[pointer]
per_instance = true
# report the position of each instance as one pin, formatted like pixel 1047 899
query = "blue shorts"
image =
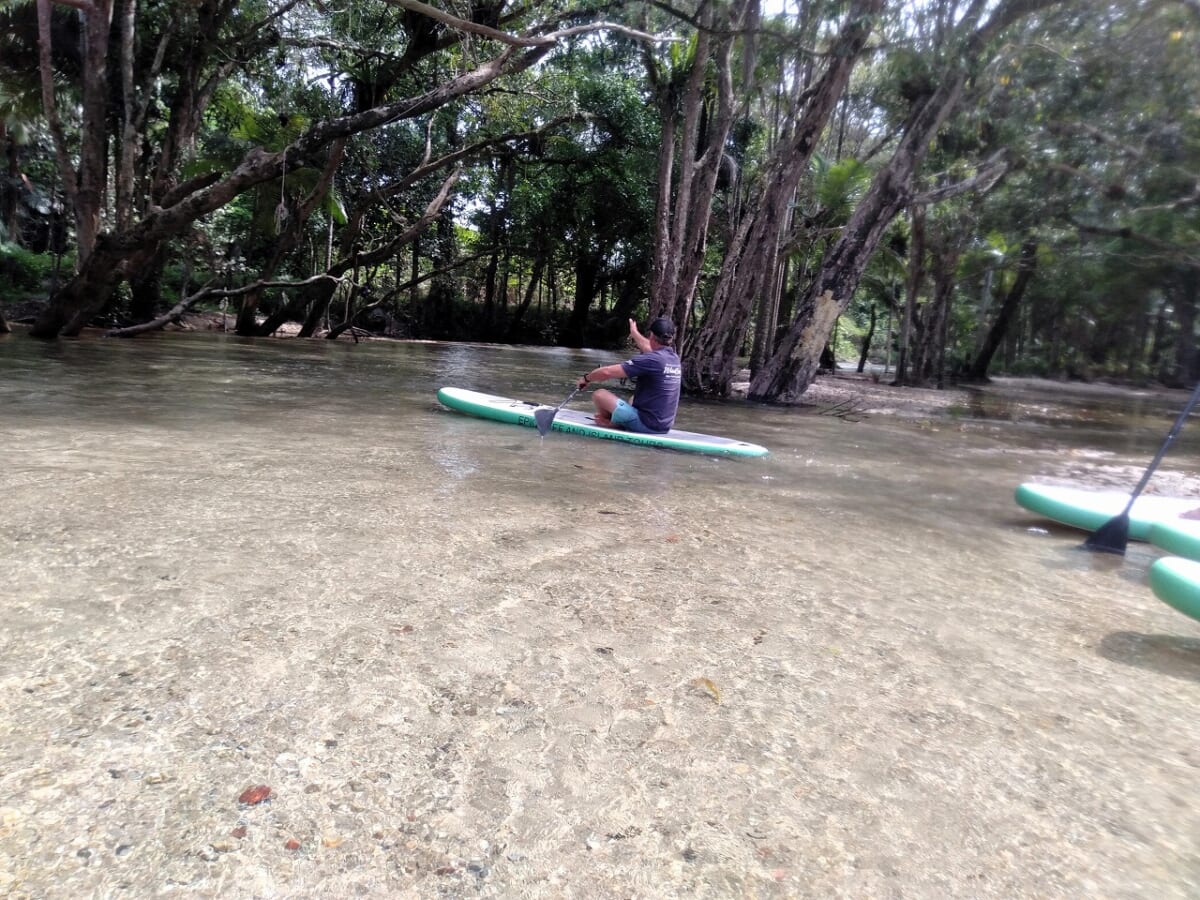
pixel 626 416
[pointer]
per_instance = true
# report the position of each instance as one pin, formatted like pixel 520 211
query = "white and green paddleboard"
pixel 1180 537
pixel 1090 509
pixel 1176 582
pixel 518 412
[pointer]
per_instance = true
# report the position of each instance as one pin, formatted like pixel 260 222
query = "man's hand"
pixel 639 339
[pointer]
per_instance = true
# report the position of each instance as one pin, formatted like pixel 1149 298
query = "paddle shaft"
pixel 1175 429
pixel 576 391
pixel 545 418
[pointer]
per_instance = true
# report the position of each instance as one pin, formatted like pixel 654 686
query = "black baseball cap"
pixel 663 329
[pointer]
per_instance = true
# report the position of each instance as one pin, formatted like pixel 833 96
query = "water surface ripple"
pixel 468 660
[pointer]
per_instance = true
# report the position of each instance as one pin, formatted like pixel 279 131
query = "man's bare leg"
pixel 605 402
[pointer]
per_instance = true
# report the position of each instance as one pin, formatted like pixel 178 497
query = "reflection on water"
pixel 448 643
pixel 1097 416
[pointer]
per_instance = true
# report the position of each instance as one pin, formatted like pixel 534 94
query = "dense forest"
pixel 952 187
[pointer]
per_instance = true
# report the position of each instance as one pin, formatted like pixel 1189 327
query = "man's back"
pixel 659 379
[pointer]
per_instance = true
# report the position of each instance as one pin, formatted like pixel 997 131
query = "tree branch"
pixel 1100 137
pixel 986 178
pixel 458 24
pixel 204 293
pixel 428 167
pixel 1192 6
pixel 1192 199
pixel 546 40
pixel 66 171
pixel 1177 251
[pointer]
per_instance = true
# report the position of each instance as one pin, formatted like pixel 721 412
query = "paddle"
pixel 545 416
pixel 1113 535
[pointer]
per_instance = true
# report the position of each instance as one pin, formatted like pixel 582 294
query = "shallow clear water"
pixel 471 660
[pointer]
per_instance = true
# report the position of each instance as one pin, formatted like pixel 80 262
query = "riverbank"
pixel 846 390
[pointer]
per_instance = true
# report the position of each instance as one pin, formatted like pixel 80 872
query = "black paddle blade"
pixel 1111 537
pixel 544 418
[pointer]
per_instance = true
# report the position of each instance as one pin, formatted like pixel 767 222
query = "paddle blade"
pixel 544 418
pixel 1111 537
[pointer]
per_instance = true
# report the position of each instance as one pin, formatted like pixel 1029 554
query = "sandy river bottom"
pixel 469 662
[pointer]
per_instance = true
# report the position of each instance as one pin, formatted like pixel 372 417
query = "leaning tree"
pixel 969 41
pixel 198 46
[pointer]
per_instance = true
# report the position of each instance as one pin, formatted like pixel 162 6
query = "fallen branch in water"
pixel 176 311
pixel 849 410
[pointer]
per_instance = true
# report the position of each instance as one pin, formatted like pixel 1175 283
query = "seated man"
pixel 658 374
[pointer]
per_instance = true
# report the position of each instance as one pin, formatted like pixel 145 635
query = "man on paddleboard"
pixel 658 374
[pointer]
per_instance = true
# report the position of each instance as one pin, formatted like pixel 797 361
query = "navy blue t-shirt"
pixel 656 397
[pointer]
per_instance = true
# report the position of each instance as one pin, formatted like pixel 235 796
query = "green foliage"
pixel 837 186
pixel 1096 108
pixel 23 272
pixel 335 208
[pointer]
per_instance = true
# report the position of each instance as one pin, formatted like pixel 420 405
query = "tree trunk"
pixel 535 279
pixel 93 148
pixel 78 301
pixel 1012 300
pixel 683 217
pixel 492 288
pixel 768 308
pixel 912 290
pixel 1186 371
pixel 794 366
pixel 633 287
pixel 287 241
pixel 440 300
pixel 288 309
pixel 9 192
pixel 587 278
pixel 1158 340
pixel 945 254
pixel 866 344
pixel 318 297
pixel 710 358
pixel 145 287
pixel 674 209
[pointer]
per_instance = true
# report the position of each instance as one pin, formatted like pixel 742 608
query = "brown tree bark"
pixel 912 290
pixel 683 206
pixel 749 269
pixel 79 300
pixel 865 351
pixel 1187 299
pixel 944 254
pixel 794 366
pixel 286 242
pixel 588 264
pixel 9 192
pixel 1026 265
